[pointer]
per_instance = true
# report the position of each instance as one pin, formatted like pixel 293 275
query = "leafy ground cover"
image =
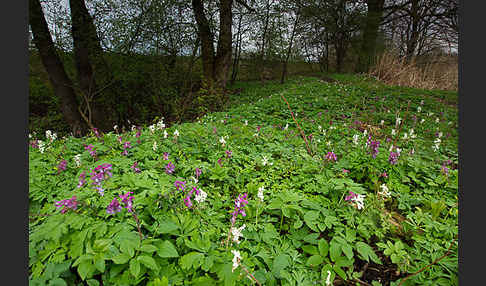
pixel 362 191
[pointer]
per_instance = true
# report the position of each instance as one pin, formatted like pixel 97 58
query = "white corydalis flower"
pixel 152 128
pixel 222 141
pixel 160 124
pixel 359 200
pixel 437 120
pixel 320 128
pixel 384 191
pixel 166 134
pixel 260 193
pixel 405 135
pixel 355 139
pixel 422 121
pixel 382 122
pixel 365 132
pixel 77 160
pixel 176 133
pixel 154 147
pixel 246 122
pixel 41 145
pixel 286 126
pixel 201 197
pixel 236 259
pixel 399 120
pixel 115 127
pixel 419 109
pixel 236 233
pixel 265 161
pixel 393 132
pixel 328 278
pixel 50 135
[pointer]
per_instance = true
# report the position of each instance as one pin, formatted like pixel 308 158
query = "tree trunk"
pixel 215 66
pixel 237 52
pixel 94 75
pixel 370 34
pixel 284 71
pixel 413 36
pixel 62 84
pixel 265 28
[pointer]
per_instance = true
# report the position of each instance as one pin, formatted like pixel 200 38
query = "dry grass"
pixel 439 72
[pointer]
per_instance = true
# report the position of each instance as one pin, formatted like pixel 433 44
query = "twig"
pixel 138 225
pixel 427 266
pixel 249 274
pixel 362 282
pixel 298 126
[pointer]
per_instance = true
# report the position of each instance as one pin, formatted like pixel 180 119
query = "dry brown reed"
pixel 433 72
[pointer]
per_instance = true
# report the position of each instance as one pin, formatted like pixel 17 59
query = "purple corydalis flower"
pixel 384 175
pixel 120 139
pixel 198 173
pixel 135 168
pixel 393 158
pixel 240 203
pixel 220 162
pixel 330 156
pixel 345 171
pixel 228 153
pixel 91 149
pixel 82 179
pixel 350 196
pixel 215 130
pixel 61 166
pixel 67 204
pixel 114 207
pixel 96 132
pixel 128 201
pixel 165 156
pixel 373 145
pixel 180 185
pixel 169 169
pixel 99 174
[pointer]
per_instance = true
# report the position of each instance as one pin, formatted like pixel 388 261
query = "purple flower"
pixel 179 185
pixel 135 168
pixel 444 169
pixel 127 200
pixel 120 139
pixel 114 207
pixel 99 174
pixel 126 146
pixel 384 175
pixel 228 153
pixel 373 146
pixel 96 132
pixel 214 130
pixel 350 196
pixel 345 171
pixel 198 173
pixel 82 179
pixel 91 149
pixel 61 166
pixel 169 169
pixel 330 156
pixel 393 158
pixel 220 162
pixel 67 204
pixel 240 203
pixel 166 156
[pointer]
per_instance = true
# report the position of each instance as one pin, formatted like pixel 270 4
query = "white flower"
pixel 77 160
pixel 399 120
pixel 134 127
pixel 382 122
pixel 30 136
pixel 165 134
pixel 50 135
pixel 194 179
pixel 286 126
pixel 176 133
pixel 201 197
pixel 236 259
pixel 320 128
pixel 365 132
pixel 419 109
pixel 359 200
pixel 328 278
pixel 412 134
pixel 405 136
pixel 450 123
pixel 332 127
pixel 355 139
pixel 437 140
pixel 430 114
pixel 384 191
pixel 236 233
pixel 115 127
pixel 422 121
pixel 246 122
pixel 154 147
pixel 398 151
pixel 222 121
pixel 435 147
pixel 439 135
pixel 42 146
pixel 393 132
pixel 255 135
pixel 265 161
pixel 328 143
pixel 437 120
pixel 152 128
pixel 160 124
pixel 260 193
pixel 412 151
pixel 391 148
pixel 222 141
pixel 422 102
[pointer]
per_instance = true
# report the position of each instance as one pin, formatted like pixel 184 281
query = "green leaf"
pixel 148 248
pixel 86 269
pixel 122 258
pixel 134 267
pixel 367 252
pixel 323 247
pixel 311 249
pixel 192 259
pixel 99 263
pixel 348 250
pixel 279 263
pixel 166 249
pixel 57 282
pixel 335 250
pixel 314 260
pixel 339 271
pixel 93 282
pixel 167 227
pixel 148 262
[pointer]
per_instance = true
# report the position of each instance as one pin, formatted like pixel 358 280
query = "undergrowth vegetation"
pixel 240 198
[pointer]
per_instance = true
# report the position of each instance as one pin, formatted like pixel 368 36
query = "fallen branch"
pixel 298 126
